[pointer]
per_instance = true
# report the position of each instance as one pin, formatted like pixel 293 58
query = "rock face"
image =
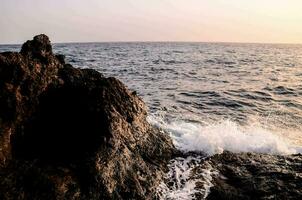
pixel 256 176
pixel 68 133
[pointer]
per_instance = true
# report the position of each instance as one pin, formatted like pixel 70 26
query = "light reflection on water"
pixel 204 82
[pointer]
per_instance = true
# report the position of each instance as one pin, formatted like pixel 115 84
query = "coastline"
pixel 70 133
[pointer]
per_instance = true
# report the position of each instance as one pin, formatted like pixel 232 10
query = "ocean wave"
pixel 225 136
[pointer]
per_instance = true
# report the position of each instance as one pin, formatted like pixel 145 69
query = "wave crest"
pixel 225 136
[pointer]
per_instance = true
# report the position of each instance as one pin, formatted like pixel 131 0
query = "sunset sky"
pixel 269 21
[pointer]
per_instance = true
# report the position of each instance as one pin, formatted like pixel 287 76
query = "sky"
pixel 260 21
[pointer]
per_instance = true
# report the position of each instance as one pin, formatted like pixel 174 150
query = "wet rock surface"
pixel 255 176
pixel 68 133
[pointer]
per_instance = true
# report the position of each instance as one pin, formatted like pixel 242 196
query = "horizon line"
pixel 162 41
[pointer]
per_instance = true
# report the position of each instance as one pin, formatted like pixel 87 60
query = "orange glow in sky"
pixel 268 21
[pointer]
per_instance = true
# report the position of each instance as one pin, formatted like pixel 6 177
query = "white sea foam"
pixel 225 135
pixel 181 182
pixel 212 139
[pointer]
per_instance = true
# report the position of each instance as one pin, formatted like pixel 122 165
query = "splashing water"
pixel 225 135
pixel 181 183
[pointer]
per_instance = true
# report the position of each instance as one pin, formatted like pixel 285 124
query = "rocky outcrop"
pixel 68 133
pixel 255 176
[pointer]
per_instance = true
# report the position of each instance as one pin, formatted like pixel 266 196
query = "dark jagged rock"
pixel 247 176
pixel 69 133
pixel 39 47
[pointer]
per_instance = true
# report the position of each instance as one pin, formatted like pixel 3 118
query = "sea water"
pixel 210 97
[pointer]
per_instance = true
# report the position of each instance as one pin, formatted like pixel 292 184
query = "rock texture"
pixel 68 133
pixel 255 176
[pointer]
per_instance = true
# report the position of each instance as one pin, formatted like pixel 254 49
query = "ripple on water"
pixel 209 93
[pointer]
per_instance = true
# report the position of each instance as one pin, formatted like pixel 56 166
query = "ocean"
pixel 210 97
